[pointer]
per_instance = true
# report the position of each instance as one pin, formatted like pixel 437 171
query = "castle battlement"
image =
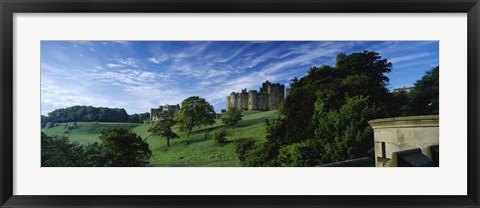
pixel 268 98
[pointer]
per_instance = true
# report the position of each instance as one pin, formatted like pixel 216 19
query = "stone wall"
pixel 268 98
pixel 403 133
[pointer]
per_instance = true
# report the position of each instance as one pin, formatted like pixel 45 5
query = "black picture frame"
pixel 9 7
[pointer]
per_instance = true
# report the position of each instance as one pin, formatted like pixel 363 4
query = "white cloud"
pixel 111 65
pixel 123 77
pixel 159 59
pixel 55 96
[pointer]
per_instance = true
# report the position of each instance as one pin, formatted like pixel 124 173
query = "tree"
pixel 346 134
pixel 303 154
pixel 232 116
pixel 163 126
pixel 425 94
pixel 195 111
pixel 122 148
pixel 61 152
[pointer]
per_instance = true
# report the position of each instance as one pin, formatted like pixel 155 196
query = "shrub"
pixel 242 146
pixel 263 155
pixel 219 136
pixel 304 154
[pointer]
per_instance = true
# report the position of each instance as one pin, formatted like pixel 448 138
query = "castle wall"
pixel 262 101
pixel 268 98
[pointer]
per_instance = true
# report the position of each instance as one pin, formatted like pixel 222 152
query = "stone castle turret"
pixel 268 98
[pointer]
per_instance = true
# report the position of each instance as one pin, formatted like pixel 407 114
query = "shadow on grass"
pixel 250 122
pixel 208 129
pixel 196 139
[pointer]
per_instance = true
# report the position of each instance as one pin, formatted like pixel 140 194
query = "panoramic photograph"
pixel 318 104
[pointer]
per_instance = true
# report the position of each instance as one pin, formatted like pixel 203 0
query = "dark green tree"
pixel 195 111
pixel 121 147
pixel 425 94
pixel 61 152
pixel 303 154
pixel 346 134
pixel 232 116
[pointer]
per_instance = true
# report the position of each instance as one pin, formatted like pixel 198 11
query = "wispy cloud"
pixel 123 43
pixel 128 61
pixel 111 65
pixel 85 43
pixel 408 57
pixel 158 59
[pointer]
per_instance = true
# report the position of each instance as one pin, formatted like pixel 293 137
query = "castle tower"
pixel 252 100
pixel 276 94
pixel 228 102
pixel 243 100
pixel 233 100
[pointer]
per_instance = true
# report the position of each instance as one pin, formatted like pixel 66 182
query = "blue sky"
pixel 139 75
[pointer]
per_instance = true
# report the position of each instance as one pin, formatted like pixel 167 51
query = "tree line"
pixel 90 113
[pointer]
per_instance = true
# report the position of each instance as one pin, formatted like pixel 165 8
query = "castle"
pixel 268 98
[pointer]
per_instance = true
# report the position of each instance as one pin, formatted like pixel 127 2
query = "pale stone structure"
pixel 403 89
pixel 153 111
pixel 268 98
pixel 397 134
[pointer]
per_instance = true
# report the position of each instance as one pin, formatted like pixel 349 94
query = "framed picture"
pixel 239 104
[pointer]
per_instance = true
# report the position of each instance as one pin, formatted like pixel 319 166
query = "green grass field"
pixel 197 151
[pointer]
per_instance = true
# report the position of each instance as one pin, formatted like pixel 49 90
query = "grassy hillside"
pixel 198 150
pixel 86 132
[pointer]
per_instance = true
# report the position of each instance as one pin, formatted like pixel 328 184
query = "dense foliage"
pixel 325 116
pixel 90 113
pixel 61 152
pixel 243 145
pixel 219 136
pixel 119 147
pixel 425 94
pixel 195 111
